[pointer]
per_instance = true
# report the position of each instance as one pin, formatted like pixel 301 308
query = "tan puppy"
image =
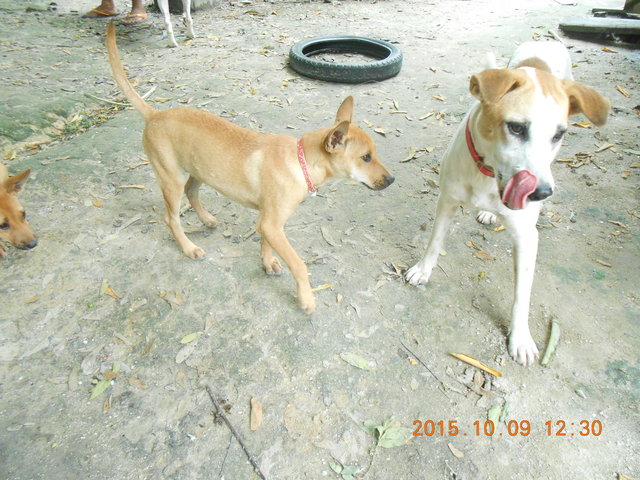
pixel 14 227
pixel 267 172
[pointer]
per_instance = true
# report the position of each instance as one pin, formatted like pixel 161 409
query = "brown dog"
pixel 267 172
pixel 14 227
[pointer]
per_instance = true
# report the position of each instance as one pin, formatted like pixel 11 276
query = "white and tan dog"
pixel 163 5
pixel 268 172
pixel 499 162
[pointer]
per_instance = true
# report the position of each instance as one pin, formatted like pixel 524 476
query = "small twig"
pixel 120 104
pixel 442 385
pixel 235 433
pixel 111 102
pixel 153 89
pixel 476 363
pixel 224 460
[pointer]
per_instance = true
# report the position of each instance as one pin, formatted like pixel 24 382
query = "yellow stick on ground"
pixel 476 363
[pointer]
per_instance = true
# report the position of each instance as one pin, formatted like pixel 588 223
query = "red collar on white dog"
pixel 475 155
pixel 303 164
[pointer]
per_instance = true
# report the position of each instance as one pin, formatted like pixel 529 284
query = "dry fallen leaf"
pixel 140 187
pixel 604 147
pixel 623 91
pixel 136 382
pixel 324 286
pixel 256 414
pixel 470 244
pixel 457 453
pixel 483 255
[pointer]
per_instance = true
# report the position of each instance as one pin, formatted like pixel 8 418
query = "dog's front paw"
pixel 522 348
pixel 486 218
pixel 3 252
pixel 417 275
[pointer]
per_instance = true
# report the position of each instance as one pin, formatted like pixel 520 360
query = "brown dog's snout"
pixel 383 182
pixel 28 245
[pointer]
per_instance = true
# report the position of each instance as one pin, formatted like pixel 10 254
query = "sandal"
pixel 133 18
pixel 96 13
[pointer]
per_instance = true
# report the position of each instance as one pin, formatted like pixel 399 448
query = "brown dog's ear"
pixel 15 183
pixel 345 112
pixel 336 138
pixel 586 100
pixel 491 85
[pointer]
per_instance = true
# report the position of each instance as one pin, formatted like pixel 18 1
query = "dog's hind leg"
pixel 172 185
pixel 421 271
pixel 186 15
pixel 192 189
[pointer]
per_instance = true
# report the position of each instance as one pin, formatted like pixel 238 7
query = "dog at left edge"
pixel 14 227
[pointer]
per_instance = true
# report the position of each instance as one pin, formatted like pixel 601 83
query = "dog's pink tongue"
pixel 521 185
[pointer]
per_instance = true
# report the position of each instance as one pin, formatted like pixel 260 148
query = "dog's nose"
pixel 29 245
pixel 540 193
pixel 388 180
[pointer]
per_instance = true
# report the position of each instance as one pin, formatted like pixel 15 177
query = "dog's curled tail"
pixel 120 76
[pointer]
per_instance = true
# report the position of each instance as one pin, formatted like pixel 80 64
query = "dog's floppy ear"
pixel 336 138
pixel 345 112
pixel 583 99
pixel 491 85
pixel 15 183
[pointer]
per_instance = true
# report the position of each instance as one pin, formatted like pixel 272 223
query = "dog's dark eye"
pixel 558 136
pixel 517 129
pixel 366 158
pixel 4 226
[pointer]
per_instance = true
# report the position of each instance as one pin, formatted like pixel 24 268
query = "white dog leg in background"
pixel 164 8
pixel 186 17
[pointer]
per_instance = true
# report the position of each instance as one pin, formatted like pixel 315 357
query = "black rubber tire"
pixel 388 63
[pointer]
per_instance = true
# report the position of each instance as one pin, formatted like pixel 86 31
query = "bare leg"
pixel 137 14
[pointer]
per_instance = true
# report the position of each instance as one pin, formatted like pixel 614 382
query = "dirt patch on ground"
pixel 108 300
